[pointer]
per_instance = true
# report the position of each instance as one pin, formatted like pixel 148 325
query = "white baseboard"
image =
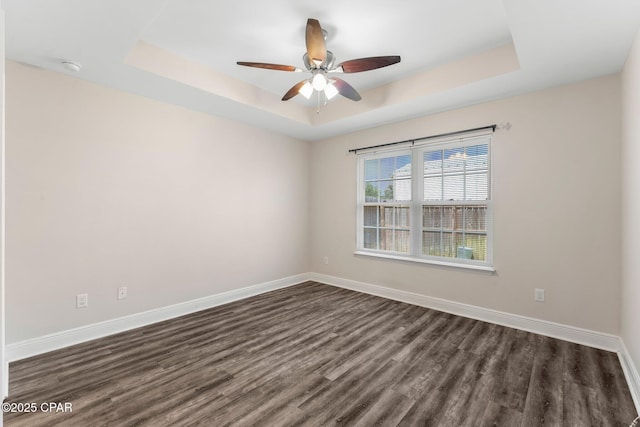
pixel 631 374
pixel 39 345
pixel 43 344
pixel 551 329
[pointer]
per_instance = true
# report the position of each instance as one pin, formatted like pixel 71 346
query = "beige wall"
pixel 108 189
pixel 631 203
pixel 556 195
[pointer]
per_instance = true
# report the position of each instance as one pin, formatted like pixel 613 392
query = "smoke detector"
pixel 71 66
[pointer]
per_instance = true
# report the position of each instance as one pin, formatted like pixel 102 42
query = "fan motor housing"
pixel 330 59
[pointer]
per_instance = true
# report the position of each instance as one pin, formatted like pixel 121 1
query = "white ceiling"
pixel 454 52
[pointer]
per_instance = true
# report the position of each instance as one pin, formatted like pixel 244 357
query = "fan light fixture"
pixel 319 83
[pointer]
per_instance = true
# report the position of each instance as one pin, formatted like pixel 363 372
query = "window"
pixel 387 198
pixel 430 203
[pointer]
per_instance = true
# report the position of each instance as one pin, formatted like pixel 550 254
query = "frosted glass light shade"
pixel 330 91
pixel 319 82
pixel 306 90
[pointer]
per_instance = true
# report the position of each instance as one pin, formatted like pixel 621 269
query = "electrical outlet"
pixel 325 260
pixel 122 292
pixel 539 295
pixel 82 300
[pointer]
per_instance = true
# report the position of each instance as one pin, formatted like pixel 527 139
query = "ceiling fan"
pixel 320 62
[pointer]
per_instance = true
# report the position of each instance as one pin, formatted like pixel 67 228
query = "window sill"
pixel 427 261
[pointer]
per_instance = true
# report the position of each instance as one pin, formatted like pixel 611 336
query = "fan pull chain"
pixel 326 101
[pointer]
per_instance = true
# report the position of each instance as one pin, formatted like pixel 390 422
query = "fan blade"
pixel 346 89
pixel 277 67
pixel 293 91
pixel 366 64
pixel 316 48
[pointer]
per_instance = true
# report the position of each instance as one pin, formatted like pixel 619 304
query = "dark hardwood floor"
pixel 314 355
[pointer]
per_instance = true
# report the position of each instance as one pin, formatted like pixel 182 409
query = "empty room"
pixel 296 213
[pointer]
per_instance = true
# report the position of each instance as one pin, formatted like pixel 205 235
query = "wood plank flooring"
pixel 313 355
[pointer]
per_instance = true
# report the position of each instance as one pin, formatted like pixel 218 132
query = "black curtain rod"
pixel 458 132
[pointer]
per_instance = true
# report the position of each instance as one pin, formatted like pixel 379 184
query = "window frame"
pixel 417 203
